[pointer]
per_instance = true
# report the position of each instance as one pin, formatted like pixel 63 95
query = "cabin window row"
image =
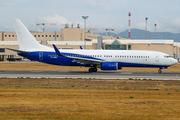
pixel 77 55
pixel 121 56
pixel 84 55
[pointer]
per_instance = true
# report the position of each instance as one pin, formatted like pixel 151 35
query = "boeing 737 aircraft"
pixel 103 59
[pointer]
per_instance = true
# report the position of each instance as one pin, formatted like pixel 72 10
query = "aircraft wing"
pixel 86 60
pixel 79 59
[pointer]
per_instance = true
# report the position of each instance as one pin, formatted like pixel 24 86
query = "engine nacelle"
pixel 109 66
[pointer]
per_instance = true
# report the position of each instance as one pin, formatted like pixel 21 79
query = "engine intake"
pixel 109 66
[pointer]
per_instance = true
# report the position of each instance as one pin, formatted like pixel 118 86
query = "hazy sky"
pixel 102 14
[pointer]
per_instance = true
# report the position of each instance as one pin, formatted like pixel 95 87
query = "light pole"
pixel 85 17
pixel 155 31
pixel 146 28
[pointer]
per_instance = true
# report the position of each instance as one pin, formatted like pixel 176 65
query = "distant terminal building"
pixel 73 38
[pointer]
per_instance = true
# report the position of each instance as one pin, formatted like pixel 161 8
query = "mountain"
pixel 108 34
pixel 140 34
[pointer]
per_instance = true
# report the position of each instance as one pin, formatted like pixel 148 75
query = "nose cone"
pixel 174 61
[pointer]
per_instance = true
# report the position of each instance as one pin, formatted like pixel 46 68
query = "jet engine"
pixel 109 66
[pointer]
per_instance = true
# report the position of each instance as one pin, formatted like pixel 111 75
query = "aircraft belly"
pixel 130 64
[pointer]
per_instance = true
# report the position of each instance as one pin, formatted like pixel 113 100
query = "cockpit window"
pixel 167 56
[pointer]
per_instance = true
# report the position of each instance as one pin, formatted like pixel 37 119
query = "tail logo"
pixel 40 55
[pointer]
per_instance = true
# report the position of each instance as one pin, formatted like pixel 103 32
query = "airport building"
pixel 73 38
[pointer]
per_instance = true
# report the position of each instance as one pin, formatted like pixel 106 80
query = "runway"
pixel 85 74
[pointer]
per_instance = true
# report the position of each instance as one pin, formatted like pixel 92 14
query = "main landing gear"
pixel 92 69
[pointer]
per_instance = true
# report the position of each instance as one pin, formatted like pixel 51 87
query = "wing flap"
pixel 86 61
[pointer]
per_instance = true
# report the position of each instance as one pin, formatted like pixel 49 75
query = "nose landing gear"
pixel 159 71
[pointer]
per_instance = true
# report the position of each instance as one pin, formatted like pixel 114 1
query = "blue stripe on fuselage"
pixel 124 64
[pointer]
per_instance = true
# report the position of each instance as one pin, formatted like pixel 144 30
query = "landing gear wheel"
pixel 159 71
pixel 90 70
pixel 94 69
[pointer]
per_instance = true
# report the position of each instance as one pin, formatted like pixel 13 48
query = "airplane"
pixel 103 59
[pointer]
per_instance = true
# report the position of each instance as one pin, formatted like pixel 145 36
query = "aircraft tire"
pixel 94 69
pixel 159 71
pixel 90 70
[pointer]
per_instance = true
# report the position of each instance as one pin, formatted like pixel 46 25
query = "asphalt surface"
pixel 96 75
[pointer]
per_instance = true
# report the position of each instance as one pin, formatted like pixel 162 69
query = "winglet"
pixel 57 51
pixel 80 47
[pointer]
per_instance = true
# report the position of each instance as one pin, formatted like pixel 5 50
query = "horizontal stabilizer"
pixel 19 51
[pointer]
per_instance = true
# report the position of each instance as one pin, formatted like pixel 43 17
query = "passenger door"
pixel 157 57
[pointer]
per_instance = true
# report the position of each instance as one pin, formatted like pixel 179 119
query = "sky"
pixel 111 14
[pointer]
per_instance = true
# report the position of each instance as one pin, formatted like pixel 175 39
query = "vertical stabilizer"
pixel 25 39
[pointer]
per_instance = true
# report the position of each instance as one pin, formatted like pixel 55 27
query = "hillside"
pixel 140 34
